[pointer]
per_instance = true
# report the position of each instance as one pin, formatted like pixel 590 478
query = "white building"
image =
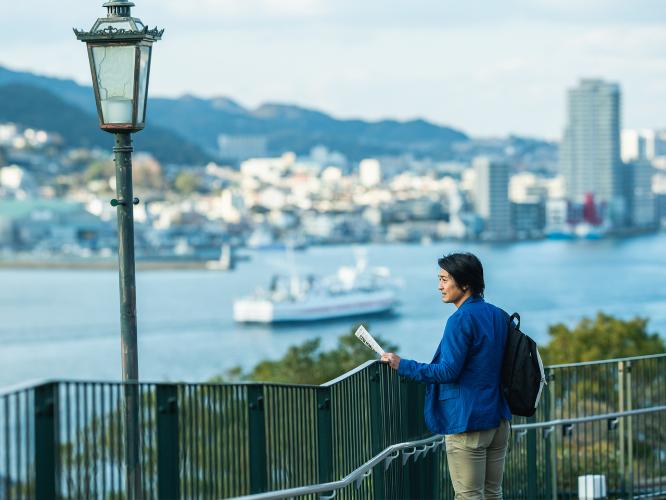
pixel 18 182
pixel 451 191
pixel 233 206
pixel 632 145
pixel 527 188
pixel 331 175
pixel 370 172
pixel 557 211
pixel 268 170
pixel 642 144
pixel 272 198
pixel 8 132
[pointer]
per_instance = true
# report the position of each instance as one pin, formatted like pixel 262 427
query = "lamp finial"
pixel 118 8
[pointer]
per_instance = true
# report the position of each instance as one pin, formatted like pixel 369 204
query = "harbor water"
pixel 65 323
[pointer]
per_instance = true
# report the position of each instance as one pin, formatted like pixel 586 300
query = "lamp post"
pixel 119 51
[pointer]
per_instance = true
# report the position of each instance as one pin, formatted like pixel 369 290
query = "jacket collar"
pixel 471 299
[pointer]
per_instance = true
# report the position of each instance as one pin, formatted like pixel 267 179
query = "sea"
pixel 64 324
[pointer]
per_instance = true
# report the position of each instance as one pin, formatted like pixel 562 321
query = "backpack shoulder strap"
pixel 515 316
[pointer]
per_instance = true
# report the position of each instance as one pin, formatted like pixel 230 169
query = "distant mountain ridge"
pixel 187 128
pixel 67 90
pixel 36 107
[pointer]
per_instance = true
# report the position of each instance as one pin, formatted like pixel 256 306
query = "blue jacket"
pixel 463 392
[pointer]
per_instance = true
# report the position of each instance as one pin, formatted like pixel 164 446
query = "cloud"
pixel 625 41
pixel 489 67
pixel 226 10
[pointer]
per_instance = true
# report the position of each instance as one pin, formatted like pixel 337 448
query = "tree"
pixel 588 390
pixel 147 172
pixel 308 364
pixel 186 183
pixel 99 170
pixel 604 337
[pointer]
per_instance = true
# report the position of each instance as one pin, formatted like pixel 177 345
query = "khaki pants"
pixel 476 462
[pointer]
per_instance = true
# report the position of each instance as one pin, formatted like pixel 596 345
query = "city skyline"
pixel 483 68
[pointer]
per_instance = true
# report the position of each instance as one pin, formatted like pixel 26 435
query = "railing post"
pixel 435 479
pixel 324 434
pixel 406 412
pixel 621 424
pixel 630 434
pixel 377 430
pixel 550 438
pixel 257 431
pixel 47 447
pixel 168 453
pixel 531 461
pixel 417 402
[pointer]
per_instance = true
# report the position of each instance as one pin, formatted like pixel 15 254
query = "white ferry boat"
pixel 353 291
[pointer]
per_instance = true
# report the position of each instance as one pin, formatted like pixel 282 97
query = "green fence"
pixel 630 452
pixel 67 439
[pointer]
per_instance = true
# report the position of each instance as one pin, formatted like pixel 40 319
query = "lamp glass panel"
pixel 144 68
pixel 119 25
pixel 114 70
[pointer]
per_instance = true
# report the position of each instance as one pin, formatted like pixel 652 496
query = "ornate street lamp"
pixel 119 50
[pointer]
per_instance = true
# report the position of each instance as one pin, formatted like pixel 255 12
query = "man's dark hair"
pixel 466 269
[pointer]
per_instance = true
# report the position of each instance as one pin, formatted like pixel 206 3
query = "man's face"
pixel 448 287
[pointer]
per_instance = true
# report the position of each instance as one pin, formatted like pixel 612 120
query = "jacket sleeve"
pixel 453 353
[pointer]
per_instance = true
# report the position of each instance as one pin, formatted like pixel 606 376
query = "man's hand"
pixel 392 359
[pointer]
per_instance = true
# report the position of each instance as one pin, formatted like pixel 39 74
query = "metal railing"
pixel 546 461
pixel 423 446
pixel 357 476
pixel 66 438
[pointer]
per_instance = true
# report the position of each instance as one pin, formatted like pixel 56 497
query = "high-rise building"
pixel 590 153
pixel 491 197
pixel 642 144
pixel 656 144
pixel 528 218
pixel 641 206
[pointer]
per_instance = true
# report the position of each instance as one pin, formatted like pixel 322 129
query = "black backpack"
pixel 523 376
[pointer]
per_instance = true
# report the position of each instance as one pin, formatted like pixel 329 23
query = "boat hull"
pixel 315 309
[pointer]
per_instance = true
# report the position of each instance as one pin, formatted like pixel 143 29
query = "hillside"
pixel 186 129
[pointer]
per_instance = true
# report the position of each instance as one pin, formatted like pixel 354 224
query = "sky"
pixel 487 67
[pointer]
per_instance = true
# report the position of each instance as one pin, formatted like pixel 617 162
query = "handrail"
pixel 32 383
pixel 361 472
pixel 37 382
pixel 25 386
pixel 348 374
pixel 356 475
pixel 592 418
pixel 606 361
